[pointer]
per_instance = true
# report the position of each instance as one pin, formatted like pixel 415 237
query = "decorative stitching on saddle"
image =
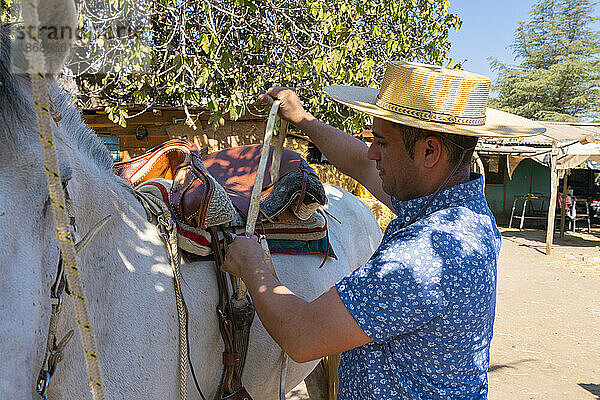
pixel 152 165
pixel 176 206
pixel 194 214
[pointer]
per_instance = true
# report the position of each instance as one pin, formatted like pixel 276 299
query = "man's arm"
pixel 305 330
pixel 347 153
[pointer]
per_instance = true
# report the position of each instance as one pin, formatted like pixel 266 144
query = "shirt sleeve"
pixel 388 297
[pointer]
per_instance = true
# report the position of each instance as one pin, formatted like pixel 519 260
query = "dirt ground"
pixel 547 333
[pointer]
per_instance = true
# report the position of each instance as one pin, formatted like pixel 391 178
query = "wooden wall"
pixel 158 126
pixel 162 125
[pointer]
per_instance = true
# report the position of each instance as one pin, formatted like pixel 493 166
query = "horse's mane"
pixel 14 105
pixel 87 141
pixel 16 109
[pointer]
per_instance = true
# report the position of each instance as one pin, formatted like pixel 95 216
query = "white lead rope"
pixel 157 210
pixel 254 209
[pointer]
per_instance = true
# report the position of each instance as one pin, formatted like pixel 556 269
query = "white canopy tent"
pixel 564 146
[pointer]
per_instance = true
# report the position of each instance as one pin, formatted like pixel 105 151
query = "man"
pixel 415 322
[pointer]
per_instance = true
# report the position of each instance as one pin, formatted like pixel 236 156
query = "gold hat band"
pixel 427 115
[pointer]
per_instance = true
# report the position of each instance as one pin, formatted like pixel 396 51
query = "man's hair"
pixel 451 142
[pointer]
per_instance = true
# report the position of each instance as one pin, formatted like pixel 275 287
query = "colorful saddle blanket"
pixel 283 235
pixel 216 192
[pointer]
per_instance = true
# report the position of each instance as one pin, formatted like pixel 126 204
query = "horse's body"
pixel 125 271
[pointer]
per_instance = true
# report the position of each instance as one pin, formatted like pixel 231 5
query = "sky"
pixel 487 30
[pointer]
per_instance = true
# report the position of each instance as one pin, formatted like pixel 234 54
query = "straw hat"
pixel 435 98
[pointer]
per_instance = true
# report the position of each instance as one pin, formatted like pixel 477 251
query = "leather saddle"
pixel 161 161
pixel 192 188
pixel 197 194
pixel 203 194
pixel 235 170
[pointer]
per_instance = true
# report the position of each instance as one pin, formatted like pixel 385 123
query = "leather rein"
pixel 54 349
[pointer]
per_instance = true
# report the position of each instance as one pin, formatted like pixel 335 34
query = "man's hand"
pixel 244 257
pixel 305 331
pixel 291 108
pixel 347 153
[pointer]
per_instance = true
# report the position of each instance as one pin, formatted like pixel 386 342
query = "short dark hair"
pixel 411 135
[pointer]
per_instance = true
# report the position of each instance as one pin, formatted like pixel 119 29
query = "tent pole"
pixel 553 196
pixel 563 206
pixel 479 165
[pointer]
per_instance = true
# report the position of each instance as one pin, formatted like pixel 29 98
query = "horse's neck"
pixel 128 247
pixel 128 286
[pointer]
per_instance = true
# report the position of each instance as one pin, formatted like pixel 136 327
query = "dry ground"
pixel 547 332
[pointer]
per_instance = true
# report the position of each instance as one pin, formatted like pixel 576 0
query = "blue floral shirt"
pixel 426 298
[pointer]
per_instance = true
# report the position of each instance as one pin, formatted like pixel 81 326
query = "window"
pixel 112 144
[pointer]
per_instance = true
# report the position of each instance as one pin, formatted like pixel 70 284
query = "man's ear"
pixel 432 151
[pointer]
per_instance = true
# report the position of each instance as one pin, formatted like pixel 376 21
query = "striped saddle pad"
pixel 285 234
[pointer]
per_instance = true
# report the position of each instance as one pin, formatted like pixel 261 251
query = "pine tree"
pixel 558 78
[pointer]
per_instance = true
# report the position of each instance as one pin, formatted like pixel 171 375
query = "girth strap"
pixel 234 325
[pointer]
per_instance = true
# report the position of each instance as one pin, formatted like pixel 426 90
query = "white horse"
pixel 125 269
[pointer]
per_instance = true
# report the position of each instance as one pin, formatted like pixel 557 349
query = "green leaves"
pixel 206 43
pixel 226 60
pixel 222 54
pixel 559 75
pixel 235 106
pixel 117 115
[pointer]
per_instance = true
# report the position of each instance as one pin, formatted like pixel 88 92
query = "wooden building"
pixel 154 126
pixel 159 124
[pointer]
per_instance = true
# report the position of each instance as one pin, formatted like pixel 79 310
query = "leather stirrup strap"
pixel 230 357
pixel 303 191
pixel 230 386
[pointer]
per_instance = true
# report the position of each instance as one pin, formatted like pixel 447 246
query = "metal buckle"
pixel 42 385
pixel 57 301
pixel 165 221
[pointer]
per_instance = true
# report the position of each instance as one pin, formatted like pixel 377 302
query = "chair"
pixel 579 211
pixel 529 212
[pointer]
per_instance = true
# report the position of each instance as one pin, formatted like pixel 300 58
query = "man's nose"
pixel 373 153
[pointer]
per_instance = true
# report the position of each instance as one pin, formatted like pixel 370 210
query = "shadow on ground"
pixel 537 237
pixel 592 388
pixel 496 367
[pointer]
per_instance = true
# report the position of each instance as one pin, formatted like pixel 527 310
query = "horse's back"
pixel 354 234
